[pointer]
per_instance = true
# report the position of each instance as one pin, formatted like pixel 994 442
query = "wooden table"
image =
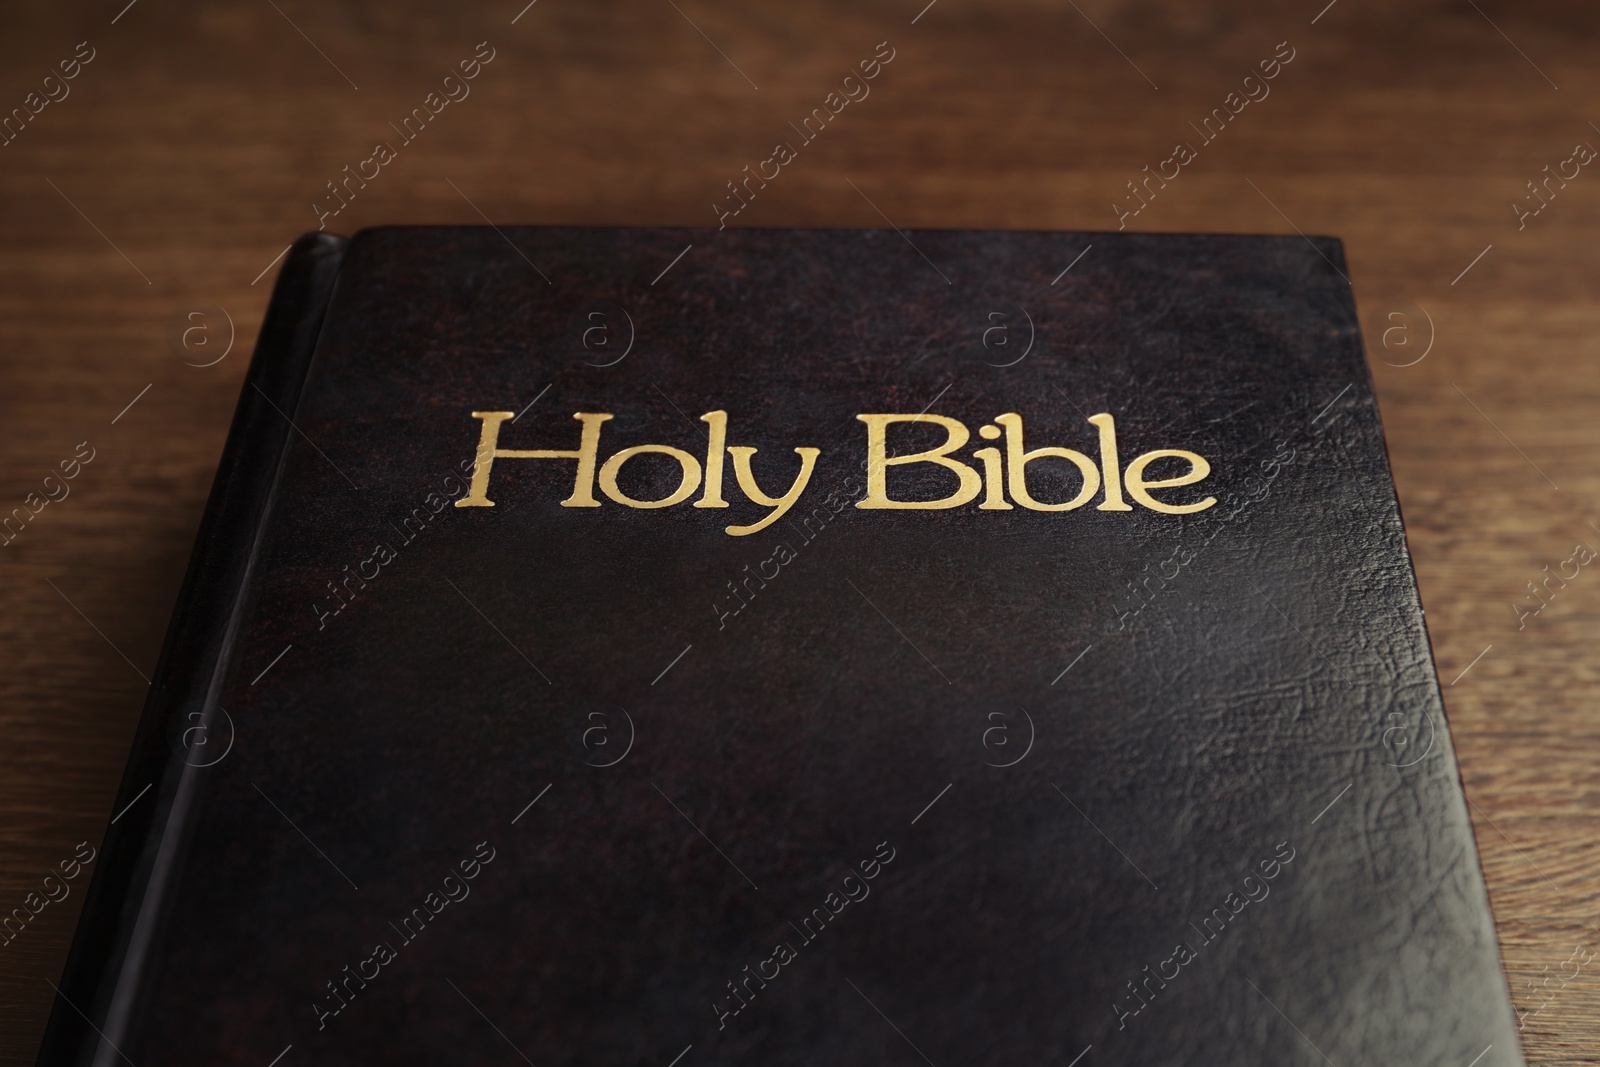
pixel 189 150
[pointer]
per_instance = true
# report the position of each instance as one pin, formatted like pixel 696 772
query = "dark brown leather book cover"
pixel 682 647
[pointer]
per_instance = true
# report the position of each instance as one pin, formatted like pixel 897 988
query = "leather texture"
pixel 952 786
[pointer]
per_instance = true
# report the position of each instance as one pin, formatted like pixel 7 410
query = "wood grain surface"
pixel 190 150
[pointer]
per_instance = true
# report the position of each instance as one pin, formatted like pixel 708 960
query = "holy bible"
pixel 683 647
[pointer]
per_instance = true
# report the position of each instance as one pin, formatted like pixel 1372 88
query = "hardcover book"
pixel 683 647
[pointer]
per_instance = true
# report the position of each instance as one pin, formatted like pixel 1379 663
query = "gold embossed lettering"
pixel 1139 488
pixel 747 482
pixel 1110 476
pixel 878 462
pixel 489 451
pixel 1017 460
pixel 716 439
pixel 686 485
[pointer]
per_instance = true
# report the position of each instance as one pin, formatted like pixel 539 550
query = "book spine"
pixel 123 909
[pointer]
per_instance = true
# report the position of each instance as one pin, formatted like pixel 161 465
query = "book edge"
pixel 1416 606
pixel 123 905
